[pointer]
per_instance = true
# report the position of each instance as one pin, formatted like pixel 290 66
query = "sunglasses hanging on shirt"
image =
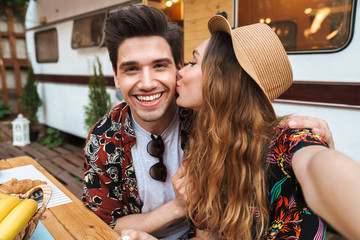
pixel 156 149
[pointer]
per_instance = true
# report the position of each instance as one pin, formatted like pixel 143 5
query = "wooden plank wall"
pixel 196 15
pixel 14 63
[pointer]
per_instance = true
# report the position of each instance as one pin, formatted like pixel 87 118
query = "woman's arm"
pixel 330 182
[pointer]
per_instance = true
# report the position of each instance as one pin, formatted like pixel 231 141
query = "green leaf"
pixel 21 3
pixel 99 99
pixel 4 110
pixel 30 99
pixel 52 139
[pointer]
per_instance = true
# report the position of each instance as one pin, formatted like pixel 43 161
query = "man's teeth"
pixel 149 98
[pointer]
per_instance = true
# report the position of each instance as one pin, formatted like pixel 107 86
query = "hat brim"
pixel 219 23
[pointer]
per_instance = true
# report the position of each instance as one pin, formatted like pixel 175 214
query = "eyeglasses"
pixel 156 149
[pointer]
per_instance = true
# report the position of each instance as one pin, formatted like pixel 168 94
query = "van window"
pixel 88 31
pixel 302 25
pixel 46 46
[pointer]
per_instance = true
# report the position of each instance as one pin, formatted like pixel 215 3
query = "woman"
pixel 245 178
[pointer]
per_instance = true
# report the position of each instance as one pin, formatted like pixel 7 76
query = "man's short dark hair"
pixel 137 21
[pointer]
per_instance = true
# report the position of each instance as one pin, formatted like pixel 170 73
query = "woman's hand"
pixel 129 234
pixel 318 126
pixel 178 183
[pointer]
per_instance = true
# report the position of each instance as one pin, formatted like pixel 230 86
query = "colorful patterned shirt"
pixel 290 217
pixel 110 185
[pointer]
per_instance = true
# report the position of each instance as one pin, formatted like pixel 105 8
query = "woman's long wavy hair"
pixel 225 167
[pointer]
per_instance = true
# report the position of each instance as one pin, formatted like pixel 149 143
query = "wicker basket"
pixel 29 229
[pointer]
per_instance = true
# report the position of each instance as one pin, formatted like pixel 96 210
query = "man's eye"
pixel 160 65
pixel 130 69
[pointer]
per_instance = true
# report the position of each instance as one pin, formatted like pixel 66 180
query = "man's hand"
pixel 318 126
pixel 129 234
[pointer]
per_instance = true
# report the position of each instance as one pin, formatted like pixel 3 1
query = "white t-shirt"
pixel 155 193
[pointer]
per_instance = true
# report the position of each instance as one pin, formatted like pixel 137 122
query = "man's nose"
pixel 147 80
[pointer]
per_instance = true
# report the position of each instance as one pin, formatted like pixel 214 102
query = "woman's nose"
pixel 179 74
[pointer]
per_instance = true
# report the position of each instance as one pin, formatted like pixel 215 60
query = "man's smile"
pixel 148 98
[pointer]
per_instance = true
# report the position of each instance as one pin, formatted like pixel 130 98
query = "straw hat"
pixel 260 53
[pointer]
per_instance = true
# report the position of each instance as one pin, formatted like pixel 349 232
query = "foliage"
pixel 19 3
pixel 52 139
pixel 4 110
pixel 100 102
pixel 30 99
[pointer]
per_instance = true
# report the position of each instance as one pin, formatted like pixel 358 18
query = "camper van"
pixel 322 39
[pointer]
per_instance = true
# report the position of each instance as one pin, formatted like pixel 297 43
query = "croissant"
pixel 19 186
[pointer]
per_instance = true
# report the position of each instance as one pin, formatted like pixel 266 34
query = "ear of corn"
pixel 7 203
pixel 17 219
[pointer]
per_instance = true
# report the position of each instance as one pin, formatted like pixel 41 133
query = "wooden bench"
pixel 5 132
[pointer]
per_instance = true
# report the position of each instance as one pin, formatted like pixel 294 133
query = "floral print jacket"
pixel 110 185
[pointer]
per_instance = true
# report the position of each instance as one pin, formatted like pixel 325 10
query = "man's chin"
pixel 150 116
pixel 161 112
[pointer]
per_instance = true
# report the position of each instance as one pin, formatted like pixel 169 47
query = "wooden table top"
pixel 70 220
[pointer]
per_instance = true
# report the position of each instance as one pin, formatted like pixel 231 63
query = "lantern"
pixel 21 131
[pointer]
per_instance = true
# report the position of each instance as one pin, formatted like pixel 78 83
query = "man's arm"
pixel 96 192
pixel 131 234
pixel 152 221
pixel 160 217
pixel 318 126
pixel 330 182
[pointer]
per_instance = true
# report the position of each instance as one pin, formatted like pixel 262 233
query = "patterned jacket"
pixel 110 185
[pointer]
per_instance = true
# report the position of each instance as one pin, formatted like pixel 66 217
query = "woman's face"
pixel 189 83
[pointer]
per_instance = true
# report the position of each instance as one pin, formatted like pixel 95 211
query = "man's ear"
pixel 180 64
pixel 115 79
pixel 116 82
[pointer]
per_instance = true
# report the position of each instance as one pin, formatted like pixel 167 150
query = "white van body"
pixel 340 66
pixel 64 104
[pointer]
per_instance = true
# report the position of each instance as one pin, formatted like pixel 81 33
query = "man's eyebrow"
pixel 128 63
pixel 168 60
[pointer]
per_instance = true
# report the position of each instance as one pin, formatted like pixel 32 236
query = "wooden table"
pixel 67 221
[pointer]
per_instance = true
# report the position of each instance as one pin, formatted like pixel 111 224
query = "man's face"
pixel 146 76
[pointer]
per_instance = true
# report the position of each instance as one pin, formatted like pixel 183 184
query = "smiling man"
pixel 131 157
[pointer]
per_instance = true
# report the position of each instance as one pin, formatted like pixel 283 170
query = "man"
pixel 145 51
pixel 134 151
